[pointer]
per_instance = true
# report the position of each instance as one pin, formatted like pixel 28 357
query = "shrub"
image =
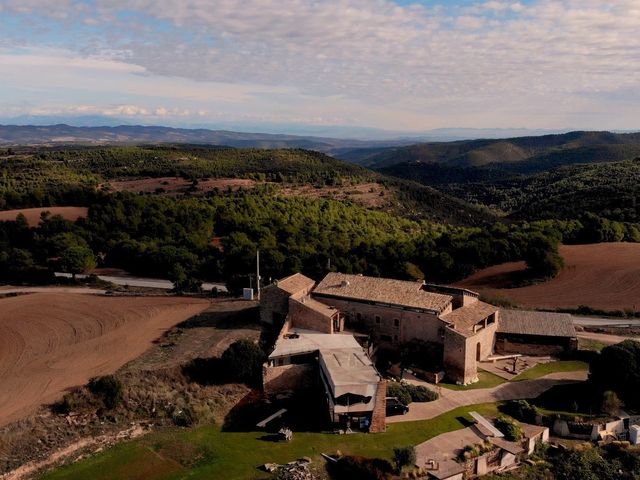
pixel 611 404
pixel 521 409
pixel 509 427
pixel 242 362
pixel 398 390
pixel 420 393
pixel 404 456
pixel 108 389
pixel 360 468
pixel 407 393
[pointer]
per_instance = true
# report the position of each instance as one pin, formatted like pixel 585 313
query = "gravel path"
pixel 451 399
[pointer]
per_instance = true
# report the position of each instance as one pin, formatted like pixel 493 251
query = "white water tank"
pixel 247 293
pixel 634 434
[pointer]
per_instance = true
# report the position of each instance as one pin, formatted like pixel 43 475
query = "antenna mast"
pixel 258 273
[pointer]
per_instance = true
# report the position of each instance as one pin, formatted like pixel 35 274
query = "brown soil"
pixel 50 342
pixel 177 185
pixel 33 214
pixel 604 276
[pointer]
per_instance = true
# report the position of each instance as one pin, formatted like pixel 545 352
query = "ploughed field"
pixel 50 342
pixel 604 276
pixel 33 214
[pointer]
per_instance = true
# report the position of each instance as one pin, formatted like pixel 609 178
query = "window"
pixel 395 338
pixel 378 319
pixel 396 322
pixel 385 338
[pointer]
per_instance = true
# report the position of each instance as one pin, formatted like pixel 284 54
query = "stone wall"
pixel 461 353
pixel 274 304
pixel 395 324
pixel 533 345
pixel 287 378
pixel 379 414
pixel 306 318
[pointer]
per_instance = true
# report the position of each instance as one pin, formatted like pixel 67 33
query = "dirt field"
pixel 50 342
pixel 604 276
pixel 176 185
pixel 33 214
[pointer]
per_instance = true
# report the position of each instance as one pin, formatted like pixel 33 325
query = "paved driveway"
pixel 450 399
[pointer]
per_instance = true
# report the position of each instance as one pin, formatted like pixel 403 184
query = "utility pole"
pixel 258 273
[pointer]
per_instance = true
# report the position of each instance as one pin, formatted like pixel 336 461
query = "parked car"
pixel 396 407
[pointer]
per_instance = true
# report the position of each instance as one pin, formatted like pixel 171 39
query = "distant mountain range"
pixel 97 129
pixel 62 134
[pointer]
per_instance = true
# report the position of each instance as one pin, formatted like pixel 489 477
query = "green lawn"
pixel 207 452
pixel 543 369
pixel 485 380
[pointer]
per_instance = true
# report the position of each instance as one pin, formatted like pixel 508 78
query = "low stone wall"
pixel 379 414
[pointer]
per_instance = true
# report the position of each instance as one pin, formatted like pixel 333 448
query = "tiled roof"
pixel 295 283
pixel 316 306
pixel 523 322
pixel 464 318
pixel 381 290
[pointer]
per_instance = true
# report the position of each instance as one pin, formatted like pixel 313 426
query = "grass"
pixel 591 345
pixel 207 452
pixel 485 380
pixel 543 369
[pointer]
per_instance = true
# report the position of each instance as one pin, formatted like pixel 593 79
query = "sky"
pixel 398 65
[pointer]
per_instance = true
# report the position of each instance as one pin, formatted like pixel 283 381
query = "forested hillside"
pixel 522 154
pixel 40 177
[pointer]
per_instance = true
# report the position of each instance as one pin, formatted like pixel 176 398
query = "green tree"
pixel 77 259
pixel 242 362
pixel 404 457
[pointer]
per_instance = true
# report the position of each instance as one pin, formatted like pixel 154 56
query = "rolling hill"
pixel 35 176
pixel 518 155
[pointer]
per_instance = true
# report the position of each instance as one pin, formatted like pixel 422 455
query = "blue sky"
pixel 401 66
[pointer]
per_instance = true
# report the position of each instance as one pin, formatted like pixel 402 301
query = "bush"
pixel 398 390
pixel 108 389
pixel 242 362
pixel 420 393
pixel 509 427
pixel 407 393
pixel 404 457
pixel 521 409
pixel 360 468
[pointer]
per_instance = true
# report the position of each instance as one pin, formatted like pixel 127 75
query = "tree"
pixel 404 457
pixel 611 404
pixel 242 362
pixel 77 259
pixel 542 257
pixel 617 369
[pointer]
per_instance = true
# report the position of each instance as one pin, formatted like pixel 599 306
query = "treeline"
pixel 166 237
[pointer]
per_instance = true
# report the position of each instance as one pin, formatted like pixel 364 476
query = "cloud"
pixel 506 59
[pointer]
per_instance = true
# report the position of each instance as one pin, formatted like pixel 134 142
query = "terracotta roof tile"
pixel 463 319
pixel 381 290
pixel 296 283
pixel 523 322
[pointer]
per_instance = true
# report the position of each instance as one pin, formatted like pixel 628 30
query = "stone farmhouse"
pixel 318 323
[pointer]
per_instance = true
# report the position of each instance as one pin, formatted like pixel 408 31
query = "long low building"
pixel 535 333
pixel 355 391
